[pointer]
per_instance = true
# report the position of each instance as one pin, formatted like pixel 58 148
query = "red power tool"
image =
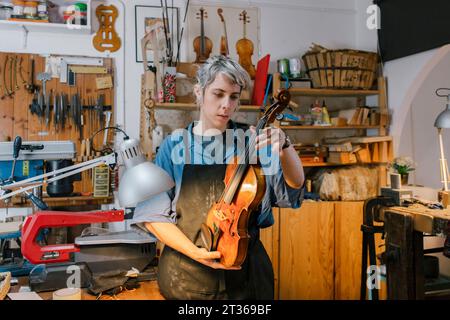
pixel 33 224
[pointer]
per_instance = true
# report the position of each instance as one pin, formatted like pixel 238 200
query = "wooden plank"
pixel 270 238
pixel 400 265
pixel 307 251
pixel 332 92
pixel 348 248
pixel 328 127
pixel 88 69
pixel 22 100
pixel 6 103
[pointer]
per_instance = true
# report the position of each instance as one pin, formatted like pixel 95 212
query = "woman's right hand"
pixel 208 259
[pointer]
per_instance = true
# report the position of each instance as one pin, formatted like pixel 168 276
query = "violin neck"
pixel 241 169
pixel 245 30
pixel 202 37
pixel 226 37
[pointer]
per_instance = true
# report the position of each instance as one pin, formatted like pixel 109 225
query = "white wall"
pixel 366 39
pixel 287 29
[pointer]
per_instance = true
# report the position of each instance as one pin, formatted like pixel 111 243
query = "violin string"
pixel 231 188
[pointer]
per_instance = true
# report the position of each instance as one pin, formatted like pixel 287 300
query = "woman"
pixel 186 270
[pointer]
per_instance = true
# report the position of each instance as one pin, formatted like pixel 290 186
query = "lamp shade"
pixel 142 179
pixel 443 119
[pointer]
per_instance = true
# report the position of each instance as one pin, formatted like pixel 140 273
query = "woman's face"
pixel 219 102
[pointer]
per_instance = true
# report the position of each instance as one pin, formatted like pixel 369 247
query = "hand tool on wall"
pixel 62 110
pixel 11 79
pixel 40 104
pixel 80 116
pixel 20 69
pixel 108 120
pixel 44 77
pixel 99 108
pixel 30 86
pixel 6 92
pixel 34 107
pixel 55 112
pixel 47 108
pixel 25 84
pixel 16 70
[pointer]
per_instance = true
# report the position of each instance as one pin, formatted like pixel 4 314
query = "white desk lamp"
pixel 141 180
pixel 443 122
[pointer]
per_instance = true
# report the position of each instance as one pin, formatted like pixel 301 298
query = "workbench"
pixel 405 228
pixel 148 290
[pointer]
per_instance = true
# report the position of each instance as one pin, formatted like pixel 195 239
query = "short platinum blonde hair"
pixel 221 64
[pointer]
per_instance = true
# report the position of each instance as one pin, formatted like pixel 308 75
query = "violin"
pixel 226 226
pixel 244 47
pixel 202 44
pixel 224 39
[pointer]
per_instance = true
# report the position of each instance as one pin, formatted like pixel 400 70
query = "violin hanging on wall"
pixel 244 47
pixel 224 39
pixel 202 44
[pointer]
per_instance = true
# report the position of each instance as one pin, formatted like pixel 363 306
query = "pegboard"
pixel 17 119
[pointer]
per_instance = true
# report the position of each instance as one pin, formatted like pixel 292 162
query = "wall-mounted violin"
pixel 244 47
pixel 224 39
pixel 202 44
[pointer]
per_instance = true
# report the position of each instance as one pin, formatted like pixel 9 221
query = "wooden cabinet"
pixel 316 250
pixel 306 252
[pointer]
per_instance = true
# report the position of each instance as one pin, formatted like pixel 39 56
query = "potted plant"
pixel 403 166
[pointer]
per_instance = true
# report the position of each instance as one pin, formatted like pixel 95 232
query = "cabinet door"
pixel 348 250
pixel 271 241
pixel 348 247
pixel 307 252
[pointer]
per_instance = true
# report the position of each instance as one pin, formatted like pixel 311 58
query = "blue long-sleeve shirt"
pixel 182 147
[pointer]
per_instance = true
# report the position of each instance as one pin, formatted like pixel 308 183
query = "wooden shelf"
pixel 194 107
pixel 44 27
pixel 332 92
pixel 330 164
pixel 327 127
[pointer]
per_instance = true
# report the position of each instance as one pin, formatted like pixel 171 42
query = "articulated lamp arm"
pixel 24 185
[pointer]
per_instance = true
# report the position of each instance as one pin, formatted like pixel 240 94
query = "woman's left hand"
pixel 270 136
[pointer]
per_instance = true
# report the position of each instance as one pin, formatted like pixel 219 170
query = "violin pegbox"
pixel 202 13
pixel 244 17
pixel 282 100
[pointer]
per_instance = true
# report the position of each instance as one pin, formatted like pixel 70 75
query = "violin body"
pixel 244 48
pixel 227 224
pixel 202 55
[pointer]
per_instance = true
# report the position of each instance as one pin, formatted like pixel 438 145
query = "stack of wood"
pixel 365 116
pixel 347 184
pixel 377 149
pixel 310 153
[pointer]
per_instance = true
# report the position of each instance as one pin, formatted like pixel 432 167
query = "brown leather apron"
pixel 180 277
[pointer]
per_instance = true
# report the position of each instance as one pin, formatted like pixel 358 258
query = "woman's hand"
pixel 208 259
pixel 270 136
